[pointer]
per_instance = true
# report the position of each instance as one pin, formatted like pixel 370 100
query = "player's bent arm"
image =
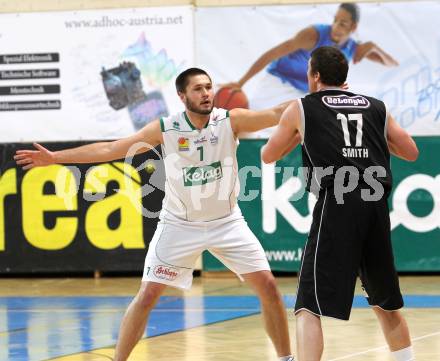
pixel 304 39
pixel 286 136
pixel 374 53
pixel 379 55
pixel 292 145
pixel 142 141
pixel 244 120
pixel 400 142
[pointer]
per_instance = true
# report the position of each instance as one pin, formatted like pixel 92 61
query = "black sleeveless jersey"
pixel 342 129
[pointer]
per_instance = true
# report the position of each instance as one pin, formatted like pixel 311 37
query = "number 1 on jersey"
pixel 344 123
pixel 200 149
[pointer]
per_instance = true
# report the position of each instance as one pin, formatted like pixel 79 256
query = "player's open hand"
pixel 34 158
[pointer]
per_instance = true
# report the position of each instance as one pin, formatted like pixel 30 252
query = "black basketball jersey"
pixel 344 129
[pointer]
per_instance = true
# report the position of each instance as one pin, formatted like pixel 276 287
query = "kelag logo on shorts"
pixel 345 101
pixel 193 176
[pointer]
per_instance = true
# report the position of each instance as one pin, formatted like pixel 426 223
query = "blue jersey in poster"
pixel 292 68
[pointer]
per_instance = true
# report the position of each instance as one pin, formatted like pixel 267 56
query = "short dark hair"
pixel 182 79
pixel 353 9
pixel 331 64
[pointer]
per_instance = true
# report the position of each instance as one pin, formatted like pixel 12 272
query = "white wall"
pixel 8 6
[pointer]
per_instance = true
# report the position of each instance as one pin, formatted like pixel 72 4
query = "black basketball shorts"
pixel 345 241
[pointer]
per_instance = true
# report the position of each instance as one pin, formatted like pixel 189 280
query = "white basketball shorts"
pixel 177 244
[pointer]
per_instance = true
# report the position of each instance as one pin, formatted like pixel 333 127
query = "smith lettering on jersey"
pixel 344 129
pixel 355 152
pixel 201 167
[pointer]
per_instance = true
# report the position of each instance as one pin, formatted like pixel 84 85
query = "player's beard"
pixel 195 109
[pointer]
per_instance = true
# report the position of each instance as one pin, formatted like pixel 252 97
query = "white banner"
pixel 90 74
pixel 230 40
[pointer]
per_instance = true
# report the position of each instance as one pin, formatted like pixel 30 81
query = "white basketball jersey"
pixel 200 166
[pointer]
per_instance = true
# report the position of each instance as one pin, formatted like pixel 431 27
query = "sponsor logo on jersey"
pixel 200 140
pixel 176 125
pixel 213 140
pixel 193 176
pixel 345 101
pixel 165 272
pixel 183 144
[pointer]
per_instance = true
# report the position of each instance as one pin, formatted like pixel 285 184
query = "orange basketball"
pixel 229 98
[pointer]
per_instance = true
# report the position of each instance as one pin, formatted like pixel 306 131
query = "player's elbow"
pixel 410 154
pixel 404 147
pixel 112 150
pixel 413 154
pixel 267 156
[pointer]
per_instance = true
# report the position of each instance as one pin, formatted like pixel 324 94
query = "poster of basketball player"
pixel 392 46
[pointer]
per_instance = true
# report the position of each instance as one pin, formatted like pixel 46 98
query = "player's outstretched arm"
pixel 244 120
pixel 286 136
pixel 149 136
pixel 400 142
pixel 304 39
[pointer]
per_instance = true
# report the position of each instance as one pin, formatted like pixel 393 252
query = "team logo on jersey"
pixel 193 176
pixel 213 140
pixel 345 101
pixel 165 272
pixel 183 144
pixel 200 140
pixel 176 125
pixel 216 119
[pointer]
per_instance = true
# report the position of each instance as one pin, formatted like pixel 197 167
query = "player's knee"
pixel 270 292
pixel 147 297
pixel 388 316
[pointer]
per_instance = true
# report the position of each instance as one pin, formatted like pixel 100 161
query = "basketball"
pixel 230 98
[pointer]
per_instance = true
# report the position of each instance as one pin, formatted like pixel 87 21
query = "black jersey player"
pixel 347 139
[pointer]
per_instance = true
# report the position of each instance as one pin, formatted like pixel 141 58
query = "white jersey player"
pixel 201 167
pixel 200 210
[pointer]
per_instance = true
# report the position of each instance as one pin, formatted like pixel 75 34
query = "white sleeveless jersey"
pixel 200 166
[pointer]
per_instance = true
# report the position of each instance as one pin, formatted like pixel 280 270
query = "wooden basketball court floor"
pixel 78 319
